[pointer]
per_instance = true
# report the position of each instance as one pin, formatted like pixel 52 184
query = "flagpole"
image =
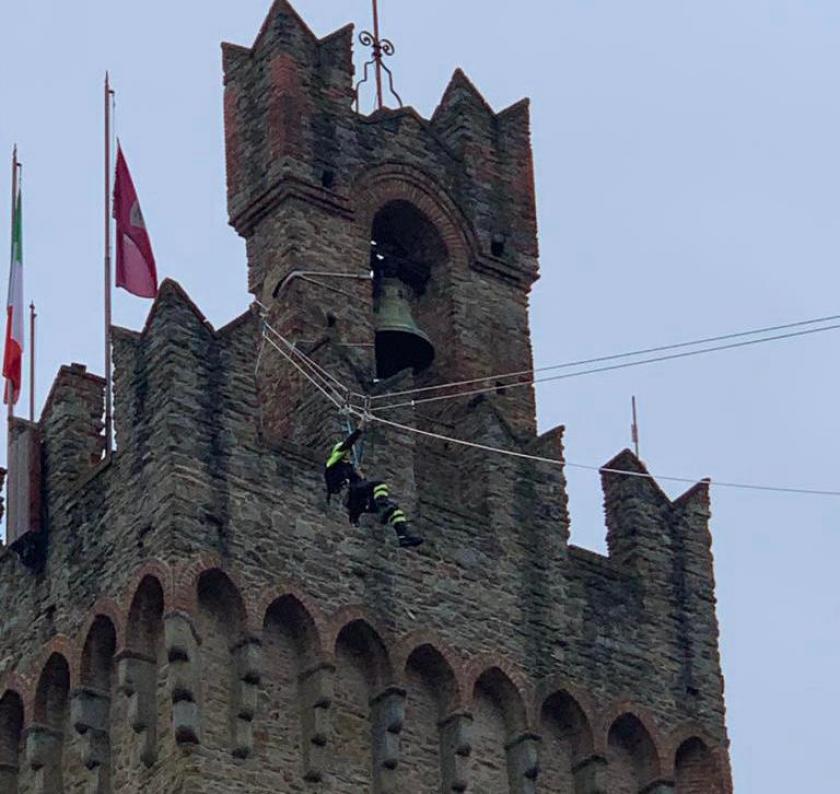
pixel 15 166
pixel 10 392
pixel 108 428
pixel 32 317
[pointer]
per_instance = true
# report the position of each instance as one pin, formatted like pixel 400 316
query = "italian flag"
pixel 13 352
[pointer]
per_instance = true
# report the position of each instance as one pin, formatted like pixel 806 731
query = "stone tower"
pixel 189 615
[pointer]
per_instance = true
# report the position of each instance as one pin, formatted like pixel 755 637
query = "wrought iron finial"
pixel 380 47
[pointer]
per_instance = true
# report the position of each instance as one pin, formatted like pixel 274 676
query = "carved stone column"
pixel 137 680
pixel 591 775
pixel 90 714
pixel 182 641
pixel 43 754
pixel 387 711
pixel 317 688
pixel 523 763
pixel 247 657
pixel 455 751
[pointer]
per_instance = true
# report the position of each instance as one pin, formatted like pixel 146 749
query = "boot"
pixel 405 536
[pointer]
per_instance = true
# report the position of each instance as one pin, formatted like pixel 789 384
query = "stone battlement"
pixel 229 541
pixel 205 621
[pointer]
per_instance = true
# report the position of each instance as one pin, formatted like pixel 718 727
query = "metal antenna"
pixel 380 47
pixel 634 428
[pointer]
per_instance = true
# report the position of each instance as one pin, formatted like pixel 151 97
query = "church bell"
pixel 399 342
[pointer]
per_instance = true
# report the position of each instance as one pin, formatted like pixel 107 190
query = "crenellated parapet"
pixel 254 511
pixel 202 619
pixel 199 563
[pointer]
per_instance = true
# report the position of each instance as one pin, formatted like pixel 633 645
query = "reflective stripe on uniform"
pixel 336 455
pixel 380 490
pixel 397 517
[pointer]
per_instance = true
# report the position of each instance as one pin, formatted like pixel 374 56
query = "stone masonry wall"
pixel 325 656
pixel 206 622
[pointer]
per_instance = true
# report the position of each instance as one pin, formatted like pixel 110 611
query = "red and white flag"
pixel 13 352
pixel 136 271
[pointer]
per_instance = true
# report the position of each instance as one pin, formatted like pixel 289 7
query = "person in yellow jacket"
pixel 364 496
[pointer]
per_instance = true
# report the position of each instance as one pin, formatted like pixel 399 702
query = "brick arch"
pixel 606 719
pixel 356 620
pixel 512 693
pixel 240 608
pixel 585 700
pixel 683 732
pixel 12 726
pixel 581 700
pixel 185 581
pixel 314 629
pixel 623 717
pixel 186 587
pixel 416 640
pixel 15 684
pixel 144 628
pixel 351 614
pixel 97 650
pixel 55 659
pixel 63 646
pixel 274 593
pixel 12 681
pixel 485 664
pixel 108 608
pixel 424 641
pixel 684 735
pixel 157 569
pixel 387 182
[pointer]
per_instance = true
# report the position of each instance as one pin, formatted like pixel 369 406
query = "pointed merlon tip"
pixel 459 82
pixel 170 287
pixel 459 79
pixel 347 30
pixel 283 7
pixel 626 460
pixel 699 492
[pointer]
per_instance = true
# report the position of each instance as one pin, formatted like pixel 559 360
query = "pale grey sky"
pixel 689 184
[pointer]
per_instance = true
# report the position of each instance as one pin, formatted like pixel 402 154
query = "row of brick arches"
pixel 272 705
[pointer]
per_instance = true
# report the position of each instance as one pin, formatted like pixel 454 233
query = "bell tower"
pixel 396 251
pixel 204 621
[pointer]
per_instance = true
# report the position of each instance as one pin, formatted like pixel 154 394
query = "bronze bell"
pixel 399 342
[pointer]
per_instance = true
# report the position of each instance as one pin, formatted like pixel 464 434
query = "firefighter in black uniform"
pixel 364 496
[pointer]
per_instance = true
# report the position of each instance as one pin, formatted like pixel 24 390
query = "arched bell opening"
pixel 409 291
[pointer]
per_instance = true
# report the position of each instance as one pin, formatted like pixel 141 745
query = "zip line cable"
pixel 327 376
pixel 366 415
pixel 616 356
pixel 331 397
pixel 308 368
pixel 324 374
pixel 610 368
pixel 602 469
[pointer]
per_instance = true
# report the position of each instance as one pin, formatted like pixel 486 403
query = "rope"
pixel 327 376
pixel 348 409
pixel 602 469
pixel 330 396
pixel 616 356
pixel 295 351
pixel 610 368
